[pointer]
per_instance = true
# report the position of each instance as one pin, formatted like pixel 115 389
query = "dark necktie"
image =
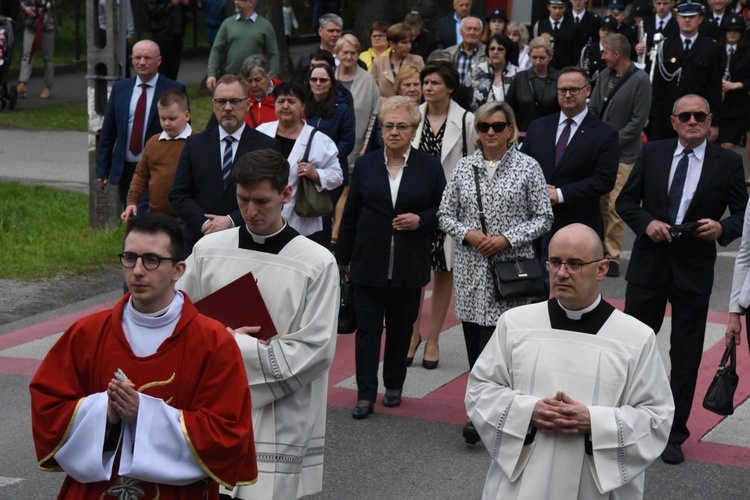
pixel 678 185
pixel 578 19
pixel 226 163
pixel 562 142
pixel 139 121
pixel 557 25
pixel 687 45
pixel 661 26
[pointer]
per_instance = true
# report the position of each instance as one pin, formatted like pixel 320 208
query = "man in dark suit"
pixel 563 34
pixel 577 152
pixel 716 20
pixel 674 182
pixel 586 25
pixel 118 152
pixel 447 29
pixel 689 64
pixel 202 193
pixel 662 22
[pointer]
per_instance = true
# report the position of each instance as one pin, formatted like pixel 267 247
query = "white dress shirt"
pixel 695 167
pixel 134 96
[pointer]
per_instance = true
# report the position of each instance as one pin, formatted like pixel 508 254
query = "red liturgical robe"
pixel 197 370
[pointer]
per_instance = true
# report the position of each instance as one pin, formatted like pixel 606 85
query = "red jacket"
pixel 262 111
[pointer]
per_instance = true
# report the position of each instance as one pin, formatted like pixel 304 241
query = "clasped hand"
pixel 123 401
pixel 561 414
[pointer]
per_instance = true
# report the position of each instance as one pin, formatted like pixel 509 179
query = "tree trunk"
pixel 271 10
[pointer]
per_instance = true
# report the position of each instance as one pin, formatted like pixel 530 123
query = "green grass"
pixel 68 116
pixel 45 232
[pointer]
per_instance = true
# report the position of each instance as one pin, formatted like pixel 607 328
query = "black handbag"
pixel 309 202
pixel 720 395
pixel 515 279
pixel 347 322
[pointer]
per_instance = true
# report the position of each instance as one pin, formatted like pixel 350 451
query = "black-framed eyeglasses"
pixel 223 102
pixel 150 261
pixel 485 127
pixel 684 117
pixel 401 127
pixel 572 90
pixel 320 80
pixel 573 267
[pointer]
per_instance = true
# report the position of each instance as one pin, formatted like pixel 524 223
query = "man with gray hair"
pixel 239 36
pixel 674 201
pixel 470 50
pixel 622 99
pixel 329 31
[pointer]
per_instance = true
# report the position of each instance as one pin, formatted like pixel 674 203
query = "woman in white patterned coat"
pixel 517 209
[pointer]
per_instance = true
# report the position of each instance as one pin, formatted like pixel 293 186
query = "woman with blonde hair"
pixel 515 211
pixel 518 32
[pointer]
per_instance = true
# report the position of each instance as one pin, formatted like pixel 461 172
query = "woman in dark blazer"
pixel 385 243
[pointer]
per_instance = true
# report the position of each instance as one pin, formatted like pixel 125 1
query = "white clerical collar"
pixel 182 135
pixel 577 118
pixel 159 318
pixel 261 240
pixel 698 151
pixel 576 315
pixel 237 134
pixel 252 18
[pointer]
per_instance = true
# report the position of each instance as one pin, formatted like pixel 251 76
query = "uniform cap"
pixel 690 8
pixel 498 14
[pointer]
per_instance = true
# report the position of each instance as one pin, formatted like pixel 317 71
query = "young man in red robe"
pixel 150 398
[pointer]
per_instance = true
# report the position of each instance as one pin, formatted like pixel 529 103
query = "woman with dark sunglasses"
pixel 517 211
pixel 490 78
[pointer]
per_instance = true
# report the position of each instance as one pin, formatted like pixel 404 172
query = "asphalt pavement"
pixel 414 451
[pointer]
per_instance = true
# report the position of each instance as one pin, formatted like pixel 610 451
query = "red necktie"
pixel 139 121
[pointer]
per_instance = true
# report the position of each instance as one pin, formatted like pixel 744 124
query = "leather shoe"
pixel 428 364
pixel 614 269
pixel 672 454
pixel 362 409
pixel 392 398
pixel 471 436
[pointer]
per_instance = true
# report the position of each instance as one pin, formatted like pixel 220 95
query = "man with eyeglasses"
pixel 203 193
pixel 131 119
pixel 570 396
pixel 689 63
pixel 578 155
pixel 138 411
pixel 245 34
pixel 288 373
pixel 674 201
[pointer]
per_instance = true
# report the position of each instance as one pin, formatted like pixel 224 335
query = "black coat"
pixel 564 40
pixel 445 32
pixel 198 186
pixel 736 103
pixel 526 103
pixel 586 171
pixel 586 29
pixel 689 260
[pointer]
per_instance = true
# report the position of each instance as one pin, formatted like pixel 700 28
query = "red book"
pixel 239 304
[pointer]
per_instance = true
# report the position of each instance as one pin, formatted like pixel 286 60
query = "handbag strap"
pixel 482 220
pixel 729 359
pixel 307 148
pixel 464 148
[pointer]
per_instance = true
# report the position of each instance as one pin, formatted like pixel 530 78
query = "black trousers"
pixel 476 337
pixel 689 315
pixel 400 307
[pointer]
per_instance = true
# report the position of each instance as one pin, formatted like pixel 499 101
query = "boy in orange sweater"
pixel 161 154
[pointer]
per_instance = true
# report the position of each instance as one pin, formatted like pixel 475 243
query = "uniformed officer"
pixel 687 64
pixel 561 29
pixel 586 25
pixel 591 55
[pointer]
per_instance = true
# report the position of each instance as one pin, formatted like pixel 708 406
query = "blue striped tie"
pixel 678 184
pixel 226 163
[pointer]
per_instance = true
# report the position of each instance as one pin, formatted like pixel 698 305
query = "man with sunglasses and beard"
pixel 673 201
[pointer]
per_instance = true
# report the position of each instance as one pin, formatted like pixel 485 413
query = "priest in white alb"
pixel 570 396
pixel 288 374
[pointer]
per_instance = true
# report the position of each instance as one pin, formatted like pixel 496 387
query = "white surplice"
pixel 289 376
pixel 618 373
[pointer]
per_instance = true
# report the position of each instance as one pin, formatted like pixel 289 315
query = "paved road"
pixel 411 452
